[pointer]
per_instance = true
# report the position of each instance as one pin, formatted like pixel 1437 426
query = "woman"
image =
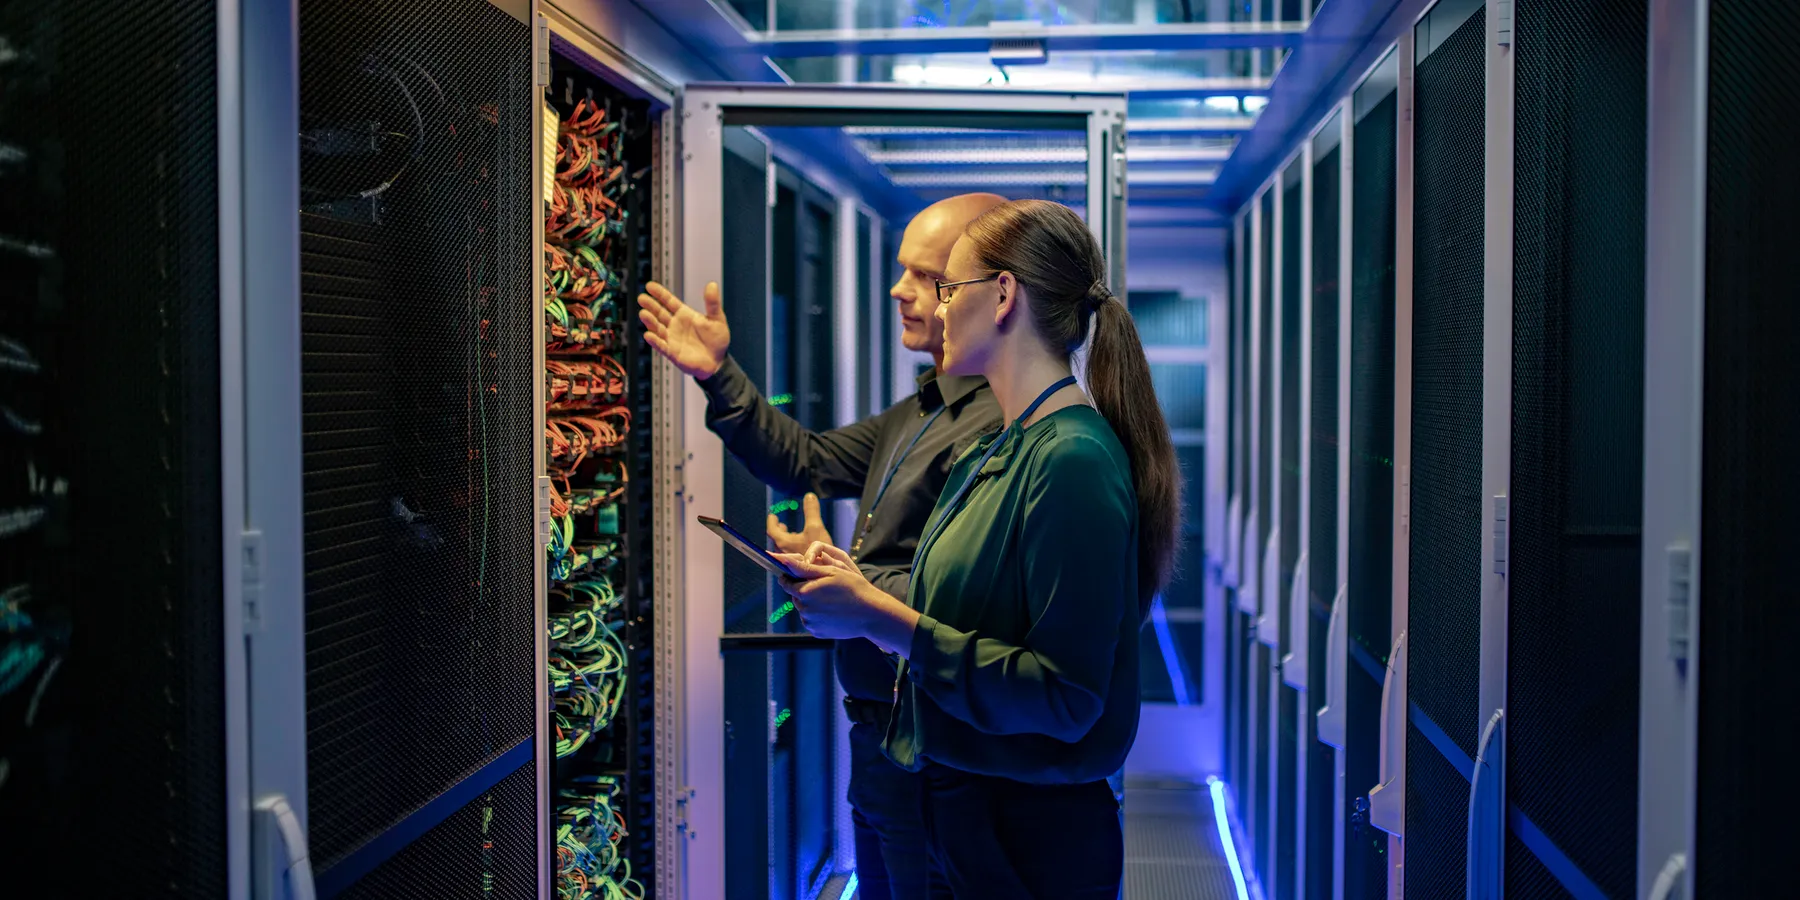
pixel 1017 687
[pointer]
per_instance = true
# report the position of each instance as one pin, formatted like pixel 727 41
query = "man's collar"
pixel 950 389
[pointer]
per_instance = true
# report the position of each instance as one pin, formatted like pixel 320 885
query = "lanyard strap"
pixel 975 470
pixel 899 456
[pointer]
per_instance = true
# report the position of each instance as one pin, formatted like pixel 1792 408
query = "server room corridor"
pixel 891 449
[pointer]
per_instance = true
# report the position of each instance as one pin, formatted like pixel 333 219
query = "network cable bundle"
pixel 596 153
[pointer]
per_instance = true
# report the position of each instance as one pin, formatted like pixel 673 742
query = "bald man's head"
pixel 924 252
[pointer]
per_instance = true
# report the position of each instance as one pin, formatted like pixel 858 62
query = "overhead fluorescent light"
pixel 1223 104
pixel 1018 53
pixel 1255 104
pixel 1025 156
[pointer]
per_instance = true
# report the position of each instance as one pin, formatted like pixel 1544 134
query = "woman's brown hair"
pixel 1050 250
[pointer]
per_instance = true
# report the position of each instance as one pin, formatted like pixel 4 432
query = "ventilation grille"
pixel 1369 577
pixel 1749 430
pixel 1260 808
pixel 418 323
pixel 1372 351
pixel 1287 783
pixel 487 849
pixel 1265 385
pixel 1322 474
pixel 1577 441
pixel 112 695
pixel 1437 810
pixel 1528 879
pixel 1292 217
pixel 1444 629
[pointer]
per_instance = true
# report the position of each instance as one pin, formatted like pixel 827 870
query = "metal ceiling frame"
pixel 1345 40
pixel 1055 38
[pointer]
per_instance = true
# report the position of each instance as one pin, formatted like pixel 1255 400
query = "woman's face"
pixel 970 332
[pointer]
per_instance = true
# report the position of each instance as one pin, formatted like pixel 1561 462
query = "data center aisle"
pixel 1173 850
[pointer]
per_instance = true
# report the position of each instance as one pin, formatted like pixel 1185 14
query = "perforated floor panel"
pixel 1172 847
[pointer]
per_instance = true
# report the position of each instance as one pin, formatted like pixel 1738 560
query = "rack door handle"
pixel 1268 619
pixel 1482 873
pixel 1387 801
pixel 1333 720
pixel 1295 664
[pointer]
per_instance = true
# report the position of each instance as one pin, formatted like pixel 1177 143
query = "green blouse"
pixel 1024 663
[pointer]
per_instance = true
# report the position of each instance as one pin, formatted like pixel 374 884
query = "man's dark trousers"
pixel 891 862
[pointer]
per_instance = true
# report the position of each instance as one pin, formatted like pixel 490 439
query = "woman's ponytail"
pixel 1054 255
pixel 1118 381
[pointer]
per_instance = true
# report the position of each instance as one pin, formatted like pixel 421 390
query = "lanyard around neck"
pixel 900 454
pixel 949 509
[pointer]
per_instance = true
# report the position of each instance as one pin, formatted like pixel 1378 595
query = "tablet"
pixel 736 540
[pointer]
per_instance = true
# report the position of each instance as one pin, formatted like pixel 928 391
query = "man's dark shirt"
pixel 851 462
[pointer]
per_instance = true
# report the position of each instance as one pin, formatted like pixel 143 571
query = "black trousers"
pixel 996 839
pixel 884 807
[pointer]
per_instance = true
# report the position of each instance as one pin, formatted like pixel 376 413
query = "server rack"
pixel 1574 548
pixel 1444 621
pixel 1238 320
pixel 1286 728
pixel 419 387
pixel 1260 537
pixel 1746 428
pixel 1675 284
pixel 1366 629
pixel 115 267
pixel 1313 605
pixel 602 139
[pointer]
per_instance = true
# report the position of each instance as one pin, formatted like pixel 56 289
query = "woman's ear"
pixel 1008 300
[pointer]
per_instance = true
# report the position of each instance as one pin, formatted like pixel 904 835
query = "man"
pixel 896 462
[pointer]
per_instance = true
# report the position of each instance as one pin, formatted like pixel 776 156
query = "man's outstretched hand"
pixel 695 342
pixel 813 531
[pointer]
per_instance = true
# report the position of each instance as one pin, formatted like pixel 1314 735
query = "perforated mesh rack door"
pixel 1260 752
pixel 418 327
pixel 1444 619
pixel 1322 513
pixel 1750 428
pixel 486 849
pixel 1287 459
pixel 1260 660
pixel 112 697
pixel 1234 488
pixel 1369 575
pixel 1265 387
pixel 1577 433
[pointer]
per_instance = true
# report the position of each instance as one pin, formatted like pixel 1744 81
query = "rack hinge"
pixel 1681 569
pixel 1503 23
pixel 540 54
pixel 1405 500
pixel 543 509
pixel 1501 512
pixel 251 541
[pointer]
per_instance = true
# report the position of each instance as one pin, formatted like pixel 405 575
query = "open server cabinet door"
pixel 742 727
pixel 420 410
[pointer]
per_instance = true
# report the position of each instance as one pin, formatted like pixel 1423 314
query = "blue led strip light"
pixel 1171 658
pixel 1226 842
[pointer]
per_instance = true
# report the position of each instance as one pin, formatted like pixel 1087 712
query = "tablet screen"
pixel 742 544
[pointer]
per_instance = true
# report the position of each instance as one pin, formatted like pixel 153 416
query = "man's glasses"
pixel 941 285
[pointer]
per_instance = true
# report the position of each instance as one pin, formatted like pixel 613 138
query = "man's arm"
pixel 892 580
pixel 781 452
